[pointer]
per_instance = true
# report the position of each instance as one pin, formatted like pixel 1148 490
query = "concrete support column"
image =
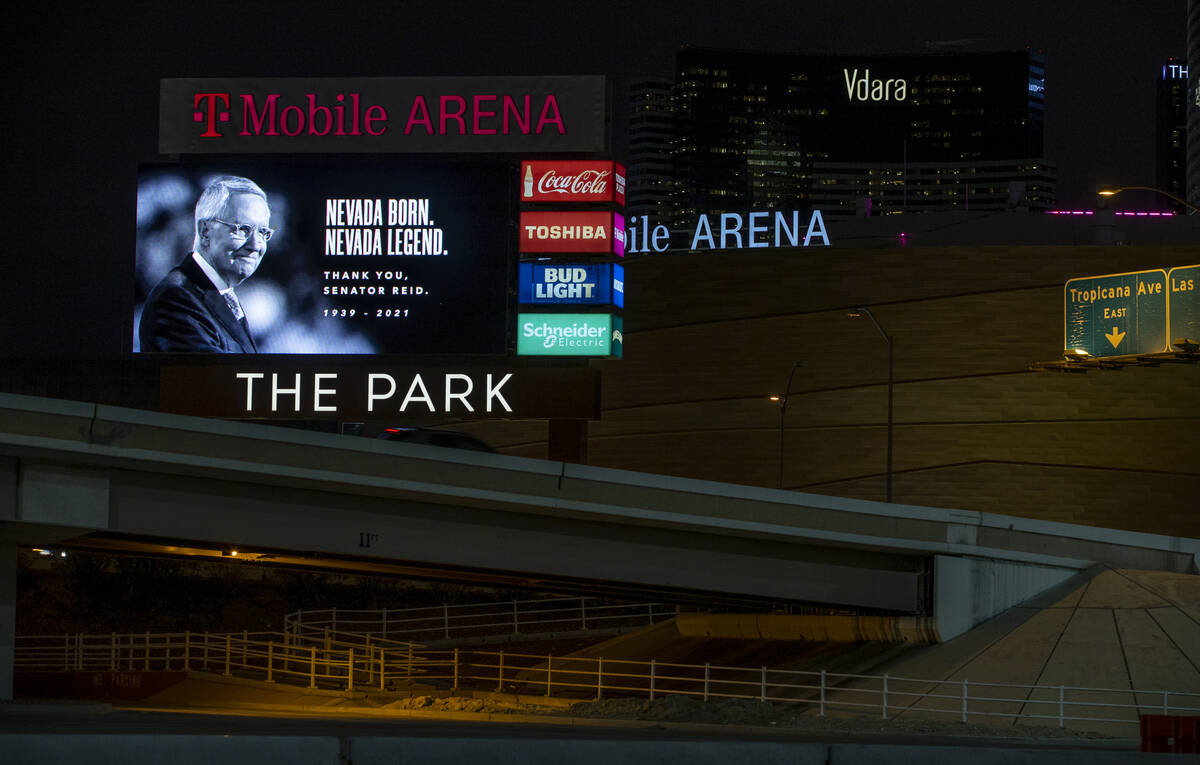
pixel 8 616
pixel 40 503
pixel 8 575
pixel 969 591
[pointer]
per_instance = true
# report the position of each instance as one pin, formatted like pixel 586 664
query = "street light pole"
pixel 890 390
pixel 783 401
pixel 1169 195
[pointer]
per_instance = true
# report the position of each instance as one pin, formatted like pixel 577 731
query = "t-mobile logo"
pixel 210 114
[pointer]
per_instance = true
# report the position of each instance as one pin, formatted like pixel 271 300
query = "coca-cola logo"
pixel 585 182
pixel 560 181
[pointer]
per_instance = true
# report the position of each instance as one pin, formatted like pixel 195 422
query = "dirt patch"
pixel 466 704
pixel 679 709
pixel 689 709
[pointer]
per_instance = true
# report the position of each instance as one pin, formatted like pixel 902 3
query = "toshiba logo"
pixel 586 182
pixel 596 232
pixel 581 233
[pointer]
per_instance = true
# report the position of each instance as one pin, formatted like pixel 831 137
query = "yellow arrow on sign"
pixel 1115 338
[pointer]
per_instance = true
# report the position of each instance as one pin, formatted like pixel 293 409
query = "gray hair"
pixel 216 194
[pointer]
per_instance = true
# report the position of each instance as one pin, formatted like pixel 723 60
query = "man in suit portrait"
pixel 195 308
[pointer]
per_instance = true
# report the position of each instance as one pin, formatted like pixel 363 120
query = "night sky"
pixel 83 91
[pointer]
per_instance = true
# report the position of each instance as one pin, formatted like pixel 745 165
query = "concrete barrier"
pixel 117 749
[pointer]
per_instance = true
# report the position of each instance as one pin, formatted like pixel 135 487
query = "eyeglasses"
pixel 244 230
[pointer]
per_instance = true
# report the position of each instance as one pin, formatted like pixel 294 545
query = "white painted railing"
pixel 343 662
pixel 545 616
pixel 821 691
pixel 359 662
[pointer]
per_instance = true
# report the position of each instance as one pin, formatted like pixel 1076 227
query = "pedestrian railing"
pixel 820 691
pixel 458 622
pixel 359 662
pixel 330 662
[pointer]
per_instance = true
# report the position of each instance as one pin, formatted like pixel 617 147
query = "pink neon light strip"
pixel 1128 213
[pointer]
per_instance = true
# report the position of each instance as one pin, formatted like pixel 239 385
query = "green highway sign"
pixel 1117 314
pixel 1183 303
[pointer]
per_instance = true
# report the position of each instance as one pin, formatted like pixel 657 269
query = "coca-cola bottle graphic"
pixel 528 181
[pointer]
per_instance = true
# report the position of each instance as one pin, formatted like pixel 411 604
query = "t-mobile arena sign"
pixel 382 114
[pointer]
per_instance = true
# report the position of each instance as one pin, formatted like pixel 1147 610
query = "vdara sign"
pixel 864 87
pixel 732 231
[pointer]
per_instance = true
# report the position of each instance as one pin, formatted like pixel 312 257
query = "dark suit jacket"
pixel 186 314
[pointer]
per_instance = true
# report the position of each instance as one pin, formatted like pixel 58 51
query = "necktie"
pixel 234 305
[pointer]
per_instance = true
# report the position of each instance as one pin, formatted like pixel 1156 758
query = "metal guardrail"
pixel 360 662
pixel 821 691
pixel 451 622
pixel 337 661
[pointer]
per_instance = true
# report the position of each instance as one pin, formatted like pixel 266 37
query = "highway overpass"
pixel 113 478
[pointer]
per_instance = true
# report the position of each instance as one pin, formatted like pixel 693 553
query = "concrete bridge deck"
pixel 72 469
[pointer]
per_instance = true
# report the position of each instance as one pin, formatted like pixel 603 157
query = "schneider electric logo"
pixel 565 334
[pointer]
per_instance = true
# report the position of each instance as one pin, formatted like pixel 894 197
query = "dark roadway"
pixel 75 719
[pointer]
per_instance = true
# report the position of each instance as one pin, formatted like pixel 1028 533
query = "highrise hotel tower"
pixel 945 130
pixel 651 130
pixel 1193 102
pixel 1170 130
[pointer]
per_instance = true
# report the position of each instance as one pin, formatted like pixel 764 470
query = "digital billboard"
pixel 573 180
pixel 598 233
pixel 568 334
pixel 594 284
pixel 347 257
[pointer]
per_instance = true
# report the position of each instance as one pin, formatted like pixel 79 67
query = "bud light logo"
pixel 591 284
